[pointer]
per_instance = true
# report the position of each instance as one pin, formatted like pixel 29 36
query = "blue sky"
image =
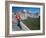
pixel 32 9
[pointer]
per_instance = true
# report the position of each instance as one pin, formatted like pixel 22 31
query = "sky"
pixel 32 9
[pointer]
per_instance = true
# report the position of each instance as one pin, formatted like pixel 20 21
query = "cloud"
pixel 25 10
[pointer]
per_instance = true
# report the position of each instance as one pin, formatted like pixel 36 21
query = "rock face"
pixel 14 19
pixel 14 24
pixel 23 14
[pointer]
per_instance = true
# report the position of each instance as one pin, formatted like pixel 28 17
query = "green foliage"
pixel 32 23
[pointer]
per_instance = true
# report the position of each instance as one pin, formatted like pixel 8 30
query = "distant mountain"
pixel 29 12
